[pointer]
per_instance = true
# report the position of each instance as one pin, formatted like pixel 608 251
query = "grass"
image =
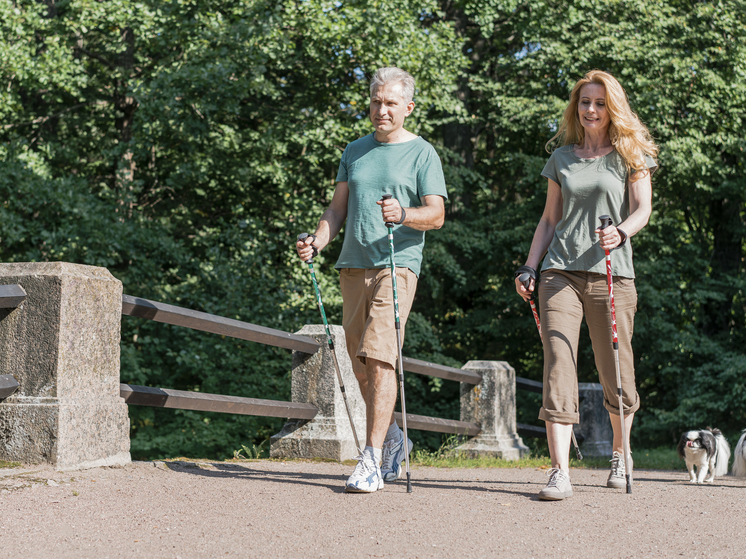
pixel 448 457
pixel 4 464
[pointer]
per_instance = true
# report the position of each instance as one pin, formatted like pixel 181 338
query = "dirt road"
pixel 299 509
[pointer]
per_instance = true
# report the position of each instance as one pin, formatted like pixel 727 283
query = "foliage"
pixel 184 145
pixel 448 456
pixel 682 67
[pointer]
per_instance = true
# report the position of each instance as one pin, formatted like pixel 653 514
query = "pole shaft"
pixel 330 342
pixel 401 359
pixel 615 344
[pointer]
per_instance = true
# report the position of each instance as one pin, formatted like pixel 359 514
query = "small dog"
pixel 708 450
pixel 739 460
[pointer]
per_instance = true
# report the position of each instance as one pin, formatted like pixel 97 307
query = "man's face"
pixel 388 109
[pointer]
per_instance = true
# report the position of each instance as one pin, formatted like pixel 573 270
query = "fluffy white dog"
pixel 739 460
pixel 706 449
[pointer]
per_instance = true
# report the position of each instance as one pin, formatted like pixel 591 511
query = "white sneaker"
pixel 558 488
pixel 366 478
pixel 618 475
pixel 393 456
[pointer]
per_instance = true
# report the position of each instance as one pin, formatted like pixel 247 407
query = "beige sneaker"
pixel 558 487
pixel 618 475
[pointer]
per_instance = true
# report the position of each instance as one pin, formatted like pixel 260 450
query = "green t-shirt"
pixel 590 188
pixel 408 171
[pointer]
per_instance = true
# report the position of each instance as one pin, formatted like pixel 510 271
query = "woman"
pixel 603 167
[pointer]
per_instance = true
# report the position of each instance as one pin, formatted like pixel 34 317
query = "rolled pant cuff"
pixel 383 357
pixel 614 410
pixel 559 416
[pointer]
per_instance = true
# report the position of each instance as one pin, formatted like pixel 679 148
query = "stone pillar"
pixel 492 404
pixel 594 433
pixel 314 381
pixel 62 345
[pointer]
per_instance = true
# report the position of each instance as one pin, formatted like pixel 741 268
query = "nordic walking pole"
pixel 398 346
pixel 606 222
pixel 302 237
pixel 525 279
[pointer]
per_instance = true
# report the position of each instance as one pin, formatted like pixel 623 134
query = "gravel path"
pixel 195 509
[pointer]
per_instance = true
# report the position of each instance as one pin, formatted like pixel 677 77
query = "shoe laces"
pixel 365 465
pixel 617 465
pixel 555 477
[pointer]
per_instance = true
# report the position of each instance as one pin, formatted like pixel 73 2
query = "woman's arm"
pixel 543 234
pixel 640 206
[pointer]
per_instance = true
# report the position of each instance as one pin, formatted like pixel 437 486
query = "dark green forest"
pixel 184 144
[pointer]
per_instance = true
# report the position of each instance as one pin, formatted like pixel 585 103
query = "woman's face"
pixel 592 108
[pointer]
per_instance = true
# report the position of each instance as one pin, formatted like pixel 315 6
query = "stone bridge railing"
pixel 61 400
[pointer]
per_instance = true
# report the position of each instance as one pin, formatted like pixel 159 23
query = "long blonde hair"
pixel 629 136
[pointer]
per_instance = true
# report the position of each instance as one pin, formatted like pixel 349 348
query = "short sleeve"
pixel 550 169
pixel 430 178
pixel 651 164
pixel 342 175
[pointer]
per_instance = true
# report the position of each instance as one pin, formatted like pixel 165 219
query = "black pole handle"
pixel 525 279
pixel 605 221
pixel 388 197
pixel 302 238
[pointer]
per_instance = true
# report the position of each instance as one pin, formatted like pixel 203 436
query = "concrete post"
pixel 594 432
pixel 328 435
pixel 62 344
pixel 492 404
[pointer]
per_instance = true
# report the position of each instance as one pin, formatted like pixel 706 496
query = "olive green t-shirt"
pixel 590 188
pixel 408 170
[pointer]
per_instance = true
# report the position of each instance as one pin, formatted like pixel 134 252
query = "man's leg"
pixel 362 373
pixel 381 346
pixel 380 400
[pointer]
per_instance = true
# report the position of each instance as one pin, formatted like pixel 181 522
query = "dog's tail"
pixel 722 453
pixel 739 461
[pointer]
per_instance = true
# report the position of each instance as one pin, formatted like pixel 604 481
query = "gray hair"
pixel 392 74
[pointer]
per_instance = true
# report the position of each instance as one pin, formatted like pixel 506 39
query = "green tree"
pixel 682 64
pixel 184 145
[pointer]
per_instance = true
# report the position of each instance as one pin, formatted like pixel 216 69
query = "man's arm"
pixel 329 225
pixel 430 215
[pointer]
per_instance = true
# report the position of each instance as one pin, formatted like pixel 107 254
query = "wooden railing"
pixel 196 320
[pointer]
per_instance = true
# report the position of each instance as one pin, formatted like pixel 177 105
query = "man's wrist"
pixel 403 217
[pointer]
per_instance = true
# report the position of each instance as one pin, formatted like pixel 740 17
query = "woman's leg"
pixel 616 425
pixel 599 325
pixel 562 313
pixel 558 438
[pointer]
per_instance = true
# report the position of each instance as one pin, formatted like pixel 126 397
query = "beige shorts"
pixel 565 297
pixel 368 311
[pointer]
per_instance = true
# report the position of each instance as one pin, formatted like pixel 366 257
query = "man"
pixel 389 161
